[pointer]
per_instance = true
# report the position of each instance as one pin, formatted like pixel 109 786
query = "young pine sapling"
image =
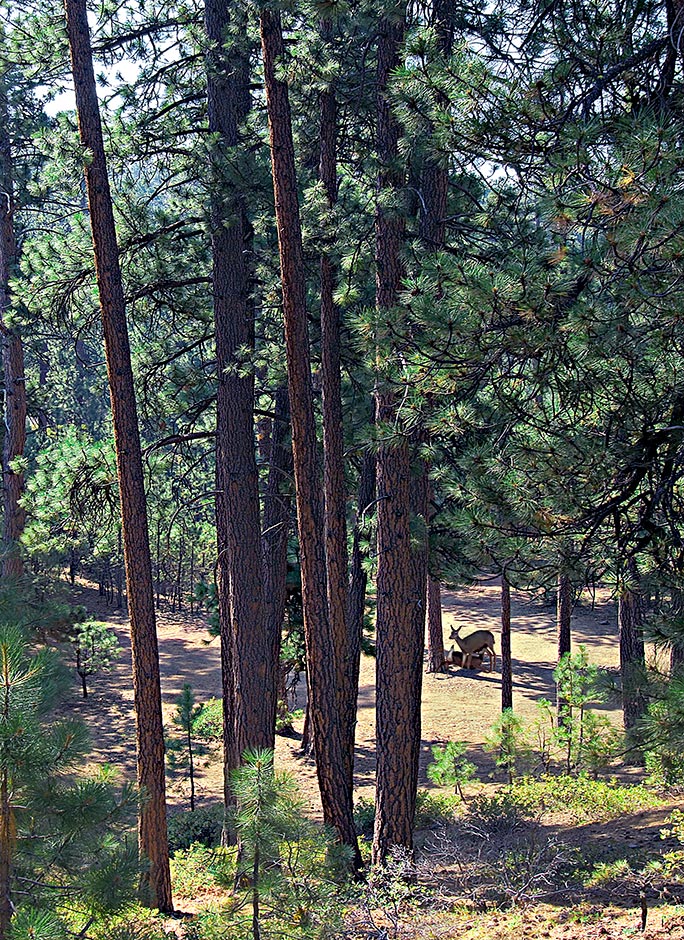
pixel 96 648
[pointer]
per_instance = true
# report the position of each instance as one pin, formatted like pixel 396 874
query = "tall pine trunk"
pixel 434 187
pixel 249 670
pixel 435 633
pixel 275 535
pixel 632 654
pixel 146 685
pixel 506 660
pixel 399 642
pixel 347 651
pixel 331 761
pixel 14 381
pixel 563 615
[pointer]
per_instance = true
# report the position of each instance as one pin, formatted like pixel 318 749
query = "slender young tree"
pixel 331 762
pixel 249 671
pixel 14 515
pixel 399 657
pixel 152 832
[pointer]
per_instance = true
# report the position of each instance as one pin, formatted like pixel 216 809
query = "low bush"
pixel 435 809
pixel 197 868
pixel 208 723
pixel 505 811
pixel 364 816
pixel 432 809
pixel 203 826
pixel 584 798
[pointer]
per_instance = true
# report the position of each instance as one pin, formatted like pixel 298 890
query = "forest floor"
pixel 458 705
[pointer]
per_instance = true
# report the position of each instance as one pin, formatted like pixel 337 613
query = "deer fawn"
pixel 476 642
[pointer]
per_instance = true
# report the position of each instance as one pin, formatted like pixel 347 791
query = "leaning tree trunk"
pixel 506 661
pixel 399 643
pixel 249 671
pixel 14 382
pixel 146 685
pixel 331 761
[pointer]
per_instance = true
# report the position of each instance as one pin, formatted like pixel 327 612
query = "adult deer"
pixel 476 642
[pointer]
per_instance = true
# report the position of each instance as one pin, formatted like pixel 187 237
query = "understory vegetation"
pixel 531 836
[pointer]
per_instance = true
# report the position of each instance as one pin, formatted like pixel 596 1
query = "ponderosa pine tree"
pixel 435 636
pixel 331 762
pixel 345 631
pixel 14 379
pixel 153 839
pixel 249 669
pixel 399 653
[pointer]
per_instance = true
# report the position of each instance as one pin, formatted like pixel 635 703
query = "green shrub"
pixel 663 735
pixel 208 723
pixel 435 809
pixel 284 719
pixel 506 811
pixel 364 816
pixel 195 869
pixel 450 767
pixel 432 809
pixel 508 741
pixel 583 797
pixel 603 873
pixel 203 826
pixel 139 923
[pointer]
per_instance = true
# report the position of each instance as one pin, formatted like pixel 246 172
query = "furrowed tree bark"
pixel 434 626
pixel 249 677
pixel 334 488
pixel 331 762
pixel 677 647
pixel 632 654
pixel 276 524
pixel 399 642
pixel 506 661
pixel 563 615
pixel 14 516
pixel 152 832
pixel 358 578
pixel 434 187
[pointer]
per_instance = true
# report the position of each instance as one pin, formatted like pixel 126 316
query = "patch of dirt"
pixel 457 705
